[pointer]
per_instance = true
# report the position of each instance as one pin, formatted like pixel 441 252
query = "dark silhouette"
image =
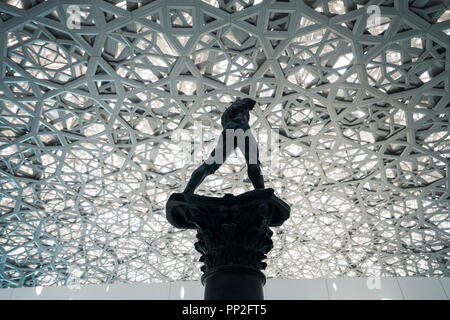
pixel 233 232
pixel 234 122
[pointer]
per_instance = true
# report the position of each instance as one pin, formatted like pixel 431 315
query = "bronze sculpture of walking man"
pixel 236 133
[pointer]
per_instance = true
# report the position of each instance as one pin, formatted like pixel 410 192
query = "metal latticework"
pixel 360 103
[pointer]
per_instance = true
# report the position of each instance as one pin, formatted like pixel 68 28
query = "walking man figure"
pixel 236 133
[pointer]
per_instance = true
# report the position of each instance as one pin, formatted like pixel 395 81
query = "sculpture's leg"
pixel 251 153
pixel 199 175
pixel 209 166
pixel 255 175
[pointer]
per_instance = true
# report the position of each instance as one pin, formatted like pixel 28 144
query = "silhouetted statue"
pixel 233 231
pixel 236 133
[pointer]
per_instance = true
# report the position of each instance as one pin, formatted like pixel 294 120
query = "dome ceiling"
pixel 96 118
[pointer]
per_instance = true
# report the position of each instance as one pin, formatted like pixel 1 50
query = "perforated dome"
pixel 88 156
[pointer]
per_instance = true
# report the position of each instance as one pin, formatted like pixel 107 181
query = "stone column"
pixel 233 238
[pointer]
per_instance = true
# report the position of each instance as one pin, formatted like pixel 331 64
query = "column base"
pixel 234 282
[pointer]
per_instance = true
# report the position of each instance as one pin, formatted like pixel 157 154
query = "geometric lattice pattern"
pixel 88 159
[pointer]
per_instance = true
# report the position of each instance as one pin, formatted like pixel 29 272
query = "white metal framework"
pixel 87 159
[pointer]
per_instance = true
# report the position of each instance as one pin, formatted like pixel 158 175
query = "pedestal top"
pixel 180 205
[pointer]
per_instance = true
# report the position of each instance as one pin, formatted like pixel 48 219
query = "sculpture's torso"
pixel 235 118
